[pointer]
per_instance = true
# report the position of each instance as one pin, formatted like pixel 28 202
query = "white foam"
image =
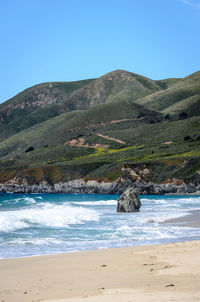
pixel 25 200
pixel 171 200
pixel 46 214
pixel 158 217
pixel 159 201
pixel 110 202
pixel 191 200
pixel 124 228
pixel 50 220
pixel 145 233
pixel 35 241
pixel 29 200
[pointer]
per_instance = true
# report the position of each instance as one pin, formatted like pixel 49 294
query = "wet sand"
pixel 191 220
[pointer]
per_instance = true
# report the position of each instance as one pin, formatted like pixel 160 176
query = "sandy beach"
pixel 169 272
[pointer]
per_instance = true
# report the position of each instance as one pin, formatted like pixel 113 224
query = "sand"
pixel 190 220
pixel 155 273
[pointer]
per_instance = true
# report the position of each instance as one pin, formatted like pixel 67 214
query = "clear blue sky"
pixel 66 40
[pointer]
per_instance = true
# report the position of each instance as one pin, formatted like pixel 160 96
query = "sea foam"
pixel 110 202
pixel 36 224
pixel 46 214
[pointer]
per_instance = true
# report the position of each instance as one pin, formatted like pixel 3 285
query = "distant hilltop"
pixel 119 130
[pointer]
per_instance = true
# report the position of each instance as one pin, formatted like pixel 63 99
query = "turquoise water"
pixel 37 224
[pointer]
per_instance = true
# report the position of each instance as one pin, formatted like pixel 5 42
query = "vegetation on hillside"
pixel 93 128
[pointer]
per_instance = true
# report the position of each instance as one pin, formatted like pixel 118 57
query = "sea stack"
pixel 128 202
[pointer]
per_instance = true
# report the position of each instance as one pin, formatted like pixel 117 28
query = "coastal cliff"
pixel 129 179
pixel 92 187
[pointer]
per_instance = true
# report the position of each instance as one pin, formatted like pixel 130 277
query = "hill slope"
pixel 70 125
pixel 47 100
pixel 182 95
pixel 36 104
pixel 121 127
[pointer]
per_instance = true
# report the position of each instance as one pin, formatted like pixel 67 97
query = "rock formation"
pixel 19 185
pixel 128 202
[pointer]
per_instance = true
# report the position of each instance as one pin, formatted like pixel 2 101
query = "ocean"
pixel 40 224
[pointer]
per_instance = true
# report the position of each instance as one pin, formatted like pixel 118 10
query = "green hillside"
pixel 44 101
pixel 91 129
pixel 36 104
pixel 190 106
pixel 67 126
pixel 182 95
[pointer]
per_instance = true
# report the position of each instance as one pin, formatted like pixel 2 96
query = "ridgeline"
pixel 102 136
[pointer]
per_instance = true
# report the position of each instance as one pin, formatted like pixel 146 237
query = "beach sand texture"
pixel 157 273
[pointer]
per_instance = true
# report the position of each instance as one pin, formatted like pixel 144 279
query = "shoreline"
pixel 191 219
pixel 101 249
pixel 92 193
pixel 159 272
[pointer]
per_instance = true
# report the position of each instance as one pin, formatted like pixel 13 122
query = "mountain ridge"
pixel 92 92
pixel 66 131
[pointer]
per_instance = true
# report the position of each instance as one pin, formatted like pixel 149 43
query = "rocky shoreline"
pixel 100 187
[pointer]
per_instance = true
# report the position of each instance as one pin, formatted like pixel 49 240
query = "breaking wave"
pixel 46 214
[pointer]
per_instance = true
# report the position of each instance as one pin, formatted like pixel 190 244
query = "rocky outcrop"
pixel 74 186
pixel 90 187
pixel 138 177
pixel 128 202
